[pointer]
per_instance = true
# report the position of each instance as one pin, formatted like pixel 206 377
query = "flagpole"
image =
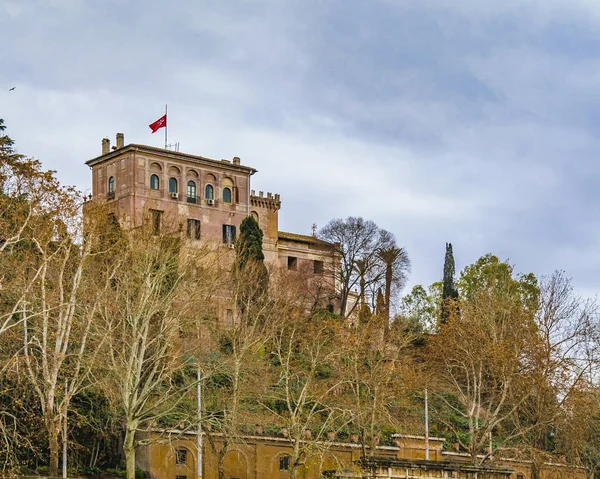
pixel 165 127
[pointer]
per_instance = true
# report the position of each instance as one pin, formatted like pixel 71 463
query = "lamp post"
pixel 199 419
pixel 426 428
pixel 64 451
pixel 199 409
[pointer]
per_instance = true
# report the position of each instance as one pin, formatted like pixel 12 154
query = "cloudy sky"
pixel 470 121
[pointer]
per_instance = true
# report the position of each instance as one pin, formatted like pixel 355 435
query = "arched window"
pixel 172 185
pixel 209 192
pixel 284 463
pixel 111 184
pixel 226 195
pixel 154 183
pixel 181 456
pixel 227 185
pixel 191 192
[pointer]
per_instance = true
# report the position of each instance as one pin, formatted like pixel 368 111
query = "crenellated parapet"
pixel 271 201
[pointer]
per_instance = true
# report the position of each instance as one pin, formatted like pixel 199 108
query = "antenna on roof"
pixel 172 147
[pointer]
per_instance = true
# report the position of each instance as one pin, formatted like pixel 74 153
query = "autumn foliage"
pixel 108 332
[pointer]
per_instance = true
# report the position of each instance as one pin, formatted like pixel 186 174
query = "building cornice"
pixel 420 438
pixel 171 155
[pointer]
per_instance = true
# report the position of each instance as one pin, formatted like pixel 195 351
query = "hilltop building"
pixel 205 198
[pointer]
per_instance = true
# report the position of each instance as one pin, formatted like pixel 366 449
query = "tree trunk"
pixel 363 443
pixel 54 449
pixel 362 289
pixel 473 455
pixel 373 441
pixel 343 301
pixel 294 459
pixel 389 273
pixel 129 450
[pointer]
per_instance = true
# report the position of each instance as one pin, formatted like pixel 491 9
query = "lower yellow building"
pixel 264 457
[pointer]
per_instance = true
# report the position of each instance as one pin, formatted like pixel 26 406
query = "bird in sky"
pixel 12 88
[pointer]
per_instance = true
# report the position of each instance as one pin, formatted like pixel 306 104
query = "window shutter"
pixel 233 234
pixel 224 233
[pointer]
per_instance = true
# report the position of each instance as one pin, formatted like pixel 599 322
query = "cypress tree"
pixel 250 272
pixel 248 248
pixel 382 307
pixel 449 290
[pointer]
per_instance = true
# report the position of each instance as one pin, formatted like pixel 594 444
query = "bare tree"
pixel 30 200
pixel 377 367
pixel 61 302
pixel 479 358
pixel 232 392
pixel 357 242
pixel 396 266
pixel 158 288
pixel 42 259
pixel 303 383
pixel 561 373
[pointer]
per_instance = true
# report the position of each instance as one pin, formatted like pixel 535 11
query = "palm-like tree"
pixel 397 265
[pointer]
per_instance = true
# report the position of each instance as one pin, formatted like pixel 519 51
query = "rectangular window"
pixel 318 267
pixel 228 234
pixel 156 216
pixel 193 229
pixel 180 477
pixel 181 457
pixel 284 463
pixel 292 263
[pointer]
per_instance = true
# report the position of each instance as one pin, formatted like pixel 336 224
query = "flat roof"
pixel 174 155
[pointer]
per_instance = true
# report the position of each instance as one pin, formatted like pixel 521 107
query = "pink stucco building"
pixel 204 199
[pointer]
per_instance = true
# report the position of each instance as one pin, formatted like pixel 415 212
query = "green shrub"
pixel 139 474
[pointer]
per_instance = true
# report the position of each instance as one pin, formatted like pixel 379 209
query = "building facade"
pixel 267 457
pixel 206 200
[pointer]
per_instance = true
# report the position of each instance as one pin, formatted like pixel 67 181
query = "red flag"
pixel 158 124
